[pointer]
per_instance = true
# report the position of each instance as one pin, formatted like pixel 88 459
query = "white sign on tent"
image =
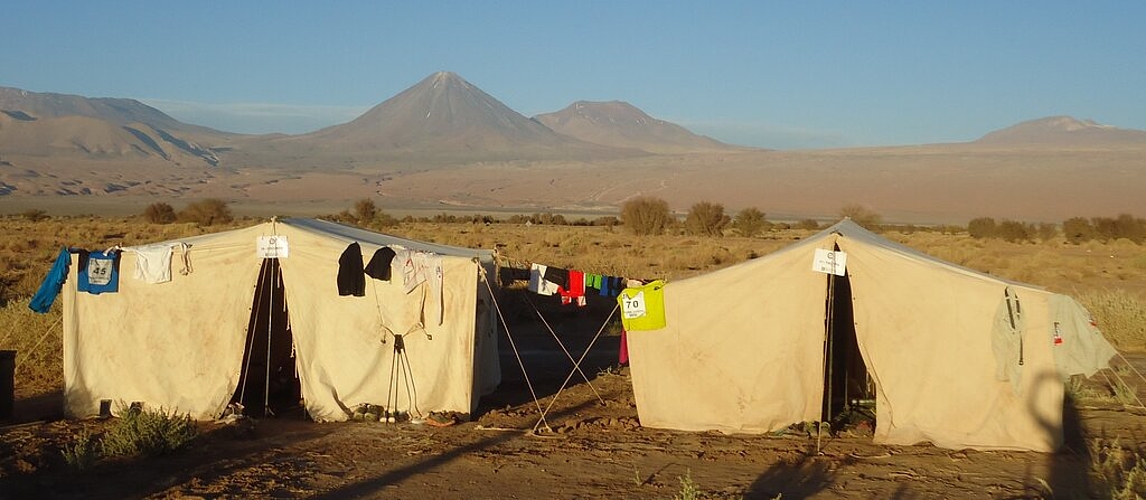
pixel 273 247
pixel 829 262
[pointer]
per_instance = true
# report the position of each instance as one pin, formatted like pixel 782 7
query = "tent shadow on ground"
pixel 546 365
pixel 1084 453
pixel 797 478
pixel 47 406
pixel 367 487
pixel 1069 467
pixel 144 476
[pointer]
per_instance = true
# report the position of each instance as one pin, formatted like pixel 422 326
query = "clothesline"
pixel 641 301
pixel 571 285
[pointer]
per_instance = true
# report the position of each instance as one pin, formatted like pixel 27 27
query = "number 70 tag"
pixel 634 307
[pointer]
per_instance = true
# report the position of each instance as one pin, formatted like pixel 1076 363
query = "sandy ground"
pixel 590 448
pixel 919 184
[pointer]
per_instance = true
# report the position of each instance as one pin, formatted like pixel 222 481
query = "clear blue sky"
pixel 774 74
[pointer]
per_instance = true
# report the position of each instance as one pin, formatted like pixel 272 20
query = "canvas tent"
pixel 185 345
pixel 948 355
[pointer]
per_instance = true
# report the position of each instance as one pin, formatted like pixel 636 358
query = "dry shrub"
pixel 1121 316
pixel 208 212
pixel 706 219
pixel 750 222
pixel 862 215
pixel 646 215
pixel 159 213
pixel 1121 469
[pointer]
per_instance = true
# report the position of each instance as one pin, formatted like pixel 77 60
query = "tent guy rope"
pixel 516 354
pixel 576 364
pixel 576 368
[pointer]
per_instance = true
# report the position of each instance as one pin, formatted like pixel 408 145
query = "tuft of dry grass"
pixel 1121 470
pixel 1121 316
pixel 28 247
pixel 38 342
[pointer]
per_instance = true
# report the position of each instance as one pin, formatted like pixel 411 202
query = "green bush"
pixel 688 488
pixel 147 433
pixel 83 453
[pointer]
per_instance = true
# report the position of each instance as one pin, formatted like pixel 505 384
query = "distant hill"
pixel 1063 130
pixel 46 124
pixel 446 115
pixel 620 124
pixel 445 144
pixel 36 105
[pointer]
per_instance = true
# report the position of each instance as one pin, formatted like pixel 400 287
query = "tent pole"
pixel 270 323
pixel 250 352
pixel 829 320
pixel 828 358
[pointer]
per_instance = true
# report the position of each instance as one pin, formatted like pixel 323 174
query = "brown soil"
pixel 590 448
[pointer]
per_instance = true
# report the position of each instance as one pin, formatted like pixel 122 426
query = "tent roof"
pixel 348 234
pixel 851 230
pixel 351 234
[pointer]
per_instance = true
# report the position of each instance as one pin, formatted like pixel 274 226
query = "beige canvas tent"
pixel 239 324
pixel 946 354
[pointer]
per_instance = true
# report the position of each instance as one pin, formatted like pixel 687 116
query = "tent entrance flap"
pixel 848 391
pixel 269 383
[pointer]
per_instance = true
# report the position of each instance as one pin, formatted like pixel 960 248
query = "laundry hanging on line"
pixel 643 307
pixel 98 272
pixel 52 284
pixel 569 284
pixel 153 263
pixel 411 268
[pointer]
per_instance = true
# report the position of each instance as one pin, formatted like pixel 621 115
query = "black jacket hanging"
pixel 351 279
pixel 379 266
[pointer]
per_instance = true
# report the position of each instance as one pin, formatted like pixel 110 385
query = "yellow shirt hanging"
pixel 643 308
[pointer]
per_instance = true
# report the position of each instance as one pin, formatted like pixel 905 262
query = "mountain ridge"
pixel 620 124
pixel 443 142
pixel 1062 130
pixel 442 114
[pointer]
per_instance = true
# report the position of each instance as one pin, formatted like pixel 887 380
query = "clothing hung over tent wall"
pixel 180 344
pixel 744 348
